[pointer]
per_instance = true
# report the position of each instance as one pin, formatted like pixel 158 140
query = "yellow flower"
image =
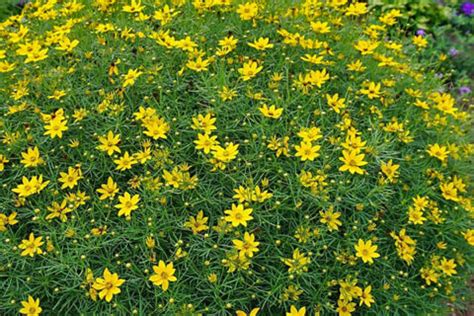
pixel 150 242
pixel 336 103
pixel 420 202
pixel 422 104
pixel 247 11
pixel 165 15
pixel 56 127
pixel 330 218
pixel 449 191
pixel 198 223
pixel 261 44
pixel 248 246
pixel 307 151
pixel 30 186
pixel 298 263
pixel 366 47
pixel 70 178
pixel 437 151
pixel 320 27
pixel 36 55
pixel 109 143
pixel 415 216
pixel 31 158
pixel 130 77
pixel 238 215
pixel 366 251
pixel 448 267
pixel 31 307
pixel 296 312
pixel 271 112
pixel 163 274
pixel 226 154
pixel 127 204
pixel 253 312
pixel 260 196
pixel 212 278
pixel 469 236
pixel 356 66
pixel 108 190
pixel 357 8
pixel 135 6
pixel 352 161
pixel 429 275
pixel 5 66
pixel 3 161
pixel 7 220
pixel 125 162
pixel 108 286
pixel 205 123
pixel 366 297
pixel 419 41
pixel 67 45
pixel 249 70
pixel 57 95
pixel 314 59
pixel 345 308
pixel 372 90
pixel 198 64
pixel 206 143
pixel 156 128
pixel 310 134
pixel 227 94
pixel 31 246
pixel 390 170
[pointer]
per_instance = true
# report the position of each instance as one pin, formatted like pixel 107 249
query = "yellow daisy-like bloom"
pixel 130 77
pixel 438 151
pixel 198 223
pixel 248 10
pixel 307 151
pixel 31 158
pixel 352 160
pixel 108 285
pixel 448 267
pixel 163 274
pixel 271 111
pixel 238 215
pixel 296 312
pixel 127 204
pixel 125 162
pixel 248 246
pixel 56 127
pixel 261 44
pixel 253 312
pixel 206 143
pixel 249 70
pixel 366 251
pixel 108 190
pixel 31 307
pixel 31 246
pixel 109 143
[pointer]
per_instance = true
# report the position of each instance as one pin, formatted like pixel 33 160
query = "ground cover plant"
pixel 219 157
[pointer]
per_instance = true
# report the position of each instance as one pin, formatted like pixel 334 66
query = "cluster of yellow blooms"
pixel 228 154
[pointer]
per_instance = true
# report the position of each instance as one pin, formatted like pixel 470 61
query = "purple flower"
pixel 467 8
pixel 421 32
pixel 453 52
pixel 464 90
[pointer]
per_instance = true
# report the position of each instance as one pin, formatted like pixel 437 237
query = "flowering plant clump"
pixel 223 157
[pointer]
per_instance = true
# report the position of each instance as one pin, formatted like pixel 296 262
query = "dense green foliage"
pixel 227 157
